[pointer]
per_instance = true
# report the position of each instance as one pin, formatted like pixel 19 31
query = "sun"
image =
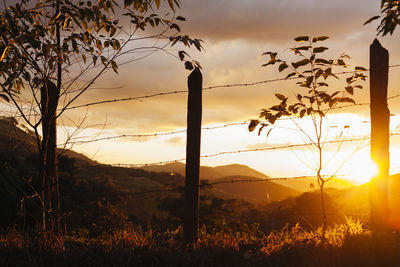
pixel 361 169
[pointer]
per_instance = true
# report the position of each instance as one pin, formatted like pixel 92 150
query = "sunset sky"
pixel 235 33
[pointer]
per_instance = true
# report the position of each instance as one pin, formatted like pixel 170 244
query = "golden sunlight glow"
pixel 363 170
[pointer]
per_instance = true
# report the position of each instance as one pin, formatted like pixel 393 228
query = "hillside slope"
pixel 86 186
pixel 208 173
pixel 303 184
pixel 259 191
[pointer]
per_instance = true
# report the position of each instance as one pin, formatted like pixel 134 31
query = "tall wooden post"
pixel 191 213
pixel 379 68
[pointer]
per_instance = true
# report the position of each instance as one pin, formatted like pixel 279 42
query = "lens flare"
pixel 363 170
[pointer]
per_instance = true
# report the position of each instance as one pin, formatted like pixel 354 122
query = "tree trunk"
pixel 49 101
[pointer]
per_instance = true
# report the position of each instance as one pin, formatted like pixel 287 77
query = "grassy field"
pixel 344 245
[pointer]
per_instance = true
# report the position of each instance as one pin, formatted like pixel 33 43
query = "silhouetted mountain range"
pixel 88 185
pixel 219 172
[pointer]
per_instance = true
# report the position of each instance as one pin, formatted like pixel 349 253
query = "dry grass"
pixel 344 245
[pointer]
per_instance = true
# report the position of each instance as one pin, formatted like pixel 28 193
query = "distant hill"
pixel 208 173
pixel 255 191
pixel 82 180
pixel 179 168
pixel 87 185
pixel 23 142
pixel 303 184
pixel 238 169
pixel 219 172
pixel 86 181
pixel 355 200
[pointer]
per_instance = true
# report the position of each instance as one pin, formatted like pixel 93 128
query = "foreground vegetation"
pixel 103 210
pixel 344 245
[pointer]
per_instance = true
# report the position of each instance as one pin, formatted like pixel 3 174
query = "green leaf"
pixel 182 54
pixel 272 60
pixel 5 97
pixel 282 67
pixel 113 30
pixel 349 89
pixel 300 63
pixel 157 3
pixel 334 94
pixel 114 66
pixel 275 108
pixel 319 49
pixel 305 48
pixel 175 26
pixel 180 18
pixel 103 60
pixel 281 97
pixel 371 19
pixel 261 128
pixel 341 62
pixel 321 61
pixel 302 112
pixel 347 99
pixel 302 39
pixel 290 75
pixel 358 68
pixel 253 124
pixel 297 50
pixel 323 84
pixel 272 119
pixel 319 38
pixel 94 57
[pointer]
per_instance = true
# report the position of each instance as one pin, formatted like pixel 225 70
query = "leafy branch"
pixel 314 71
pixel 390 17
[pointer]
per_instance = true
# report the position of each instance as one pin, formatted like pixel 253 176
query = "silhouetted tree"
pixel 42 40
pixel 316 102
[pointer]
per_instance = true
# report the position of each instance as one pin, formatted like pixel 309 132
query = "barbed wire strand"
pixel 205 184
pixel 153 134
pixel 210 184
pixel 138 98
pixel 128 165
pixel 132 165
pixel 71 142
pixel 204 89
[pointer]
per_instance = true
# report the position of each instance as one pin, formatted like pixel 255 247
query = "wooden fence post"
pixel 379 68
pixel 191 197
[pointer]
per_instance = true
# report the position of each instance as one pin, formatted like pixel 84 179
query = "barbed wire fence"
pixel 247 84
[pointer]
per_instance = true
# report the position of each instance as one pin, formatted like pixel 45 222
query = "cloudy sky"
pixel 235 33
